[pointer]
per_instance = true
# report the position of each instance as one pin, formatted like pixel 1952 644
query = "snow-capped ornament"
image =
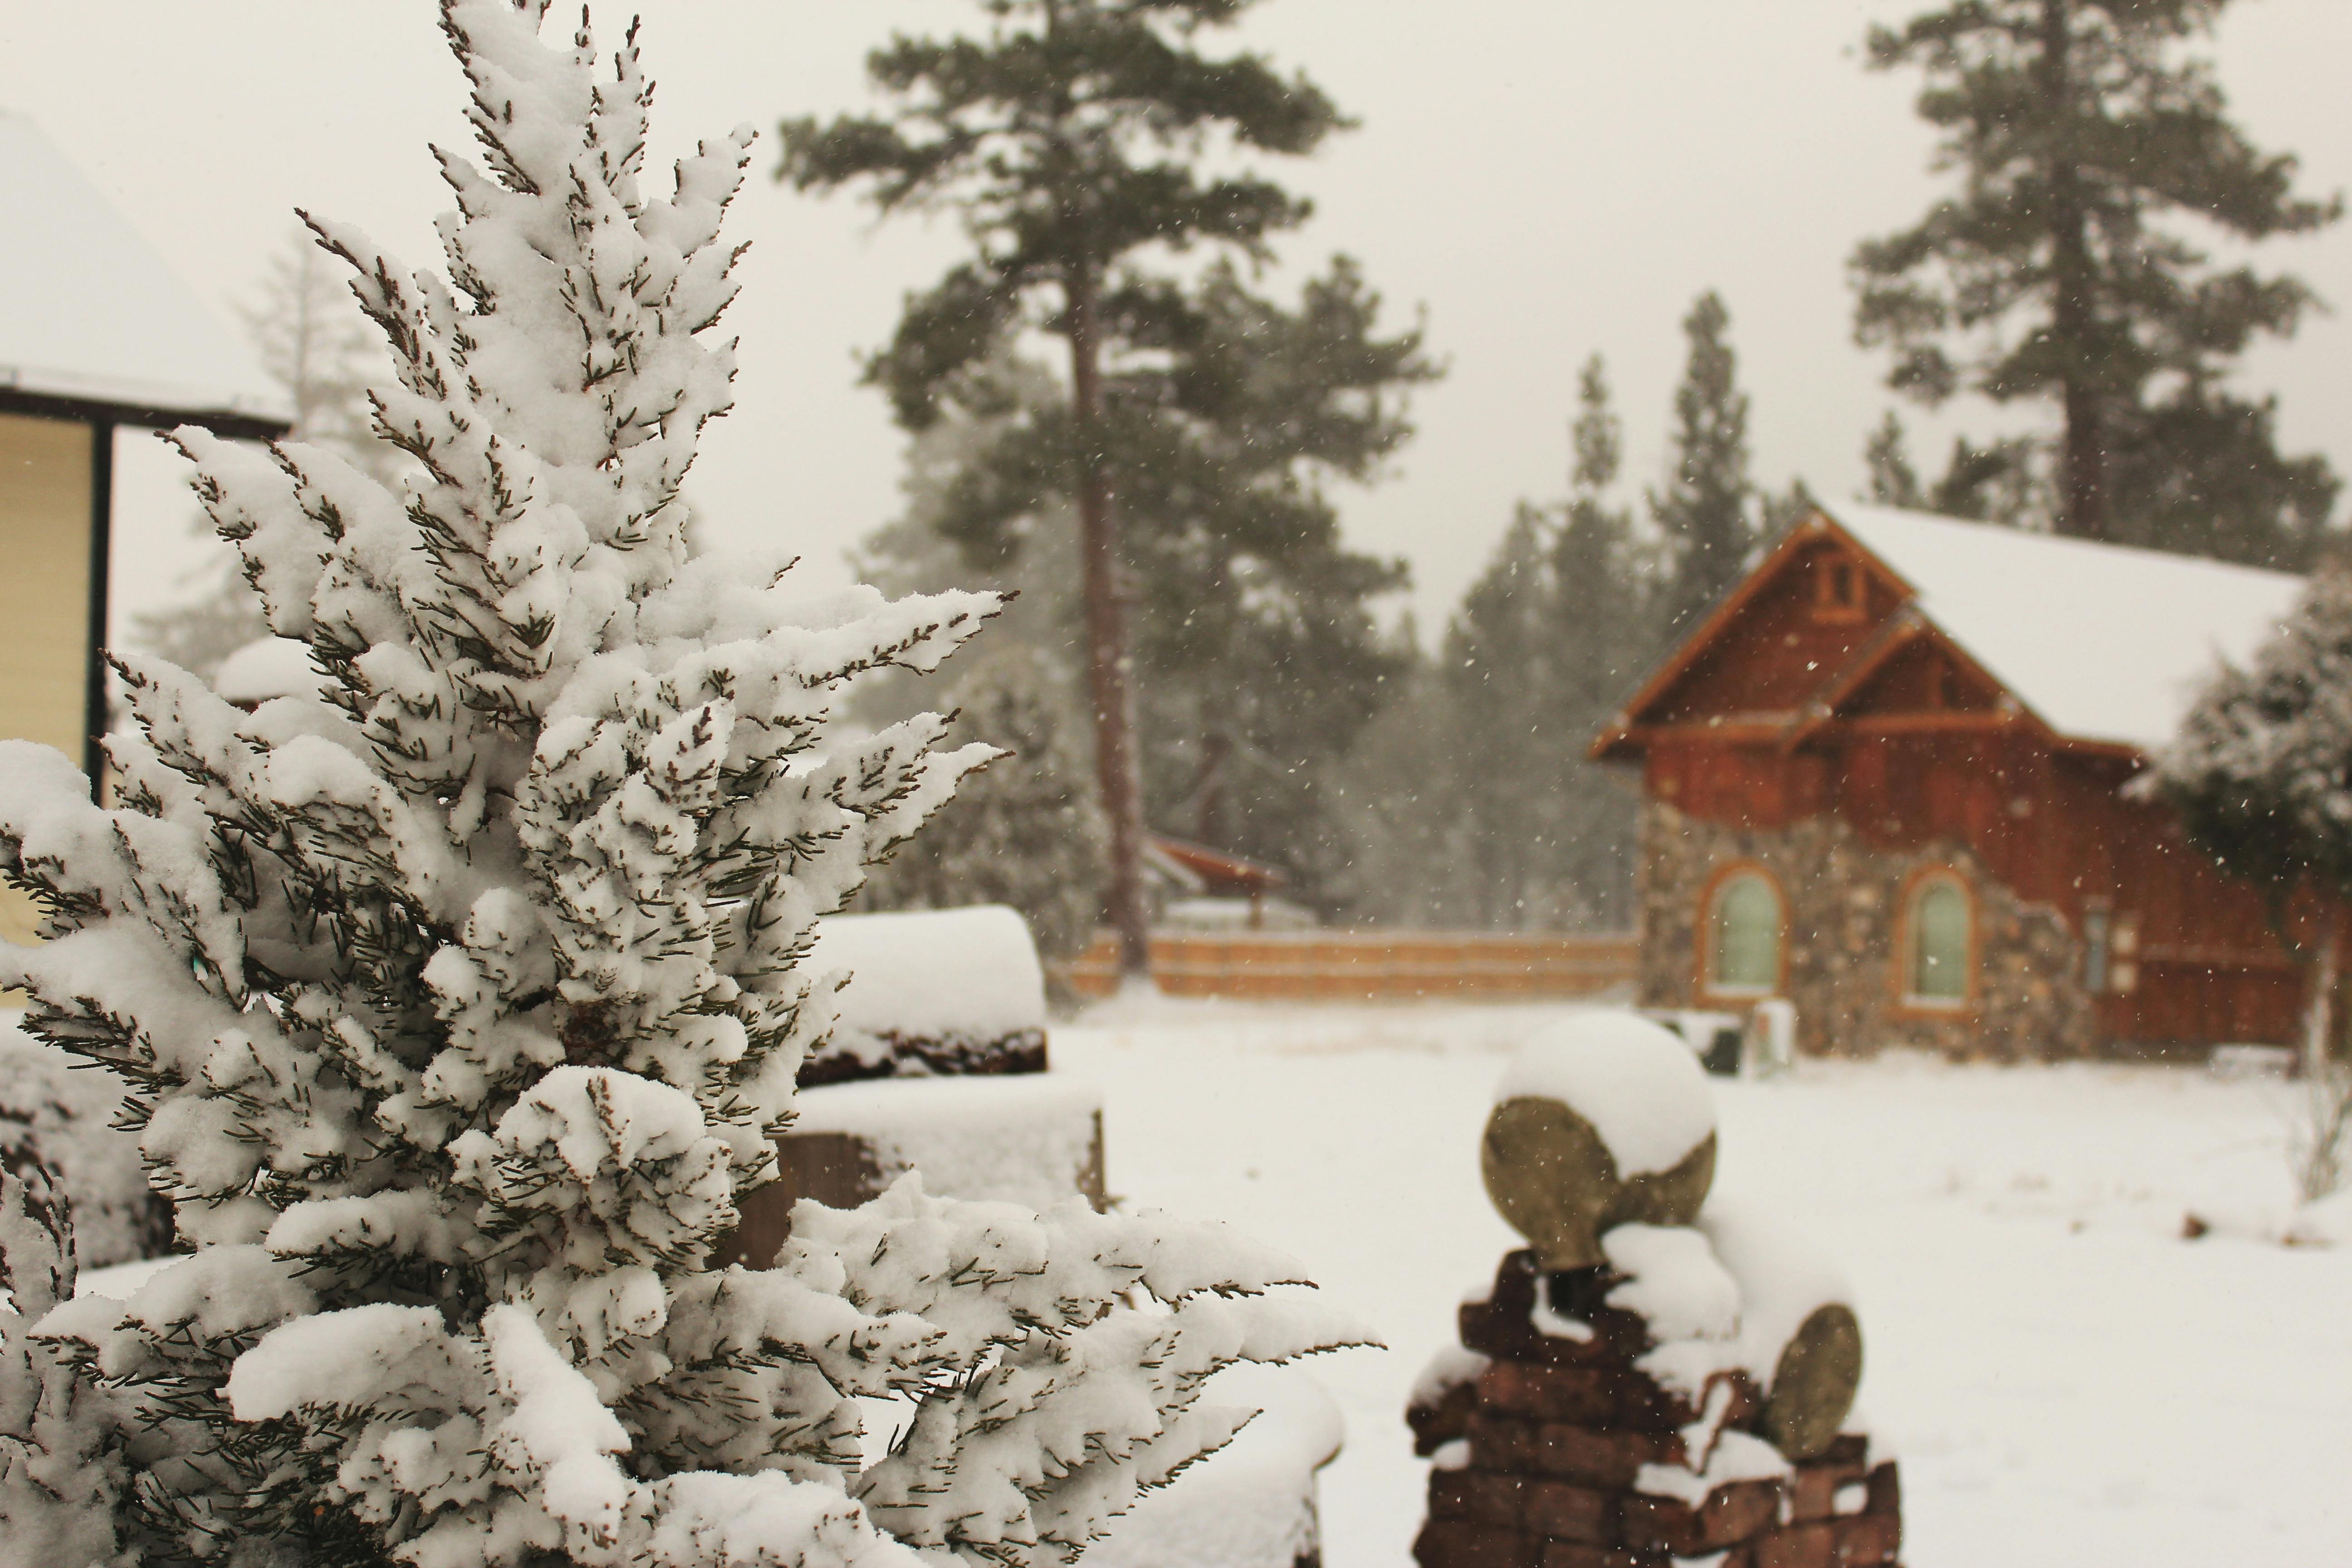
pixel 1601 1120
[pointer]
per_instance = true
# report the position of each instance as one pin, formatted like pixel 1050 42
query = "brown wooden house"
pixel 1886 777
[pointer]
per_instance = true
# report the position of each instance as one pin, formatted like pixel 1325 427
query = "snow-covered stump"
pixel 938 1065
pixel 1659 1378
pixel 954 992
pixel 1032 1139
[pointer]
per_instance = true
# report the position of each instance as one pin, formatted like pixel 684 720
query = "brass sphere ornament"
pixel 1600 1120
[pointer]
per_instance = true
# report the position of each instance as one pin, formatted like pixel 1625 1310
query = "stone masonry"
pixel 1539 1454
pixel 1844 898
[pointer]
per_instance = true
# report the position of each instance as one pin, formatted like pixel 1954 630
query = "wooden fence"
pixel 1365 965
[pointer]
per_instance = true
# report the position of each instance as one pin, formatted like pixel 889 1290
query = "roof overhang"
pixel 86 409
pixel 1619 739
pixel 1626 735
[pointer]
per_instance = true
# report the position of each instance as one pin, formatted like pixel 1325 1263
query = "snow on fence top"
pixel 925 972
pixel 1637 1084
pixel 2102 642
pixel 88 309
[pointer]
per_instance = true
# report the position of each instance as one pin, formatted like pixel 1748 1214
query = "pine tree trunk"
pixel 2083 511
pixel 2319 1008
pixel 1108 668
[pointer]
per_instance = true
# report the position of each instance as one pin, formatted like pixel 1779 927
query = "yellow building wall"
pixel 44 477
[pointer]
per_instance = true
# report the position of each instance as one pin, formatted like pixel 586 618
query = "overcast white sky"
pixel 1547 177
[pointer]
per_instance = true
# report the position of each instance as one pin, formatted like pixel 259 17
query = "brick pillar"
pixel 1538 1456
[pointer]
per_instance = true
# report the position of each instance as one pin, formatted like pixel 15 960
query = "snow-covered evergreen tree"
pixel 459 1005
pixel 2262 774
pixel 65 1122
pixel 313 342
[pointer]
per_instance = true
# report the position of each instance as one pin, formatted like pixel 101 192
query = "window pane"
pixel 1747 935
pixel 2095 950
pixel 1939 943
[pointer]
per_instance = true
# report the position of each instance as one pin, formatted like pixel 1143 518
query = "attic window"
pixel 1838 588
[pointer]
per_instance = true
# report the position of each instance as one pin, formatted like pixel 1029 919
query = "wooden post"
pixel 2319 1008
pixel 102 548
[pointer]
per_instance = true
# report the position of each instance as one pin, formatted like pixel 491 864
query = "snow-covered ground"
pixel 2065 1380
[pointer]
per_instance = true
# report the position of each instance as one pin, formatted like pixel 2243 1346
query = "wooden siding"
pixel 1783 645
pixel 45 634
pixel 1366 965
pixel 2058 831
pixel 1778 711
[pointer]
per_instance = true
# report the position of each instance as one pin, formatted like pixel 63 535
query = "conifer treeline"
pixel 1451 787
pixel 1460 795
pixel 1267 710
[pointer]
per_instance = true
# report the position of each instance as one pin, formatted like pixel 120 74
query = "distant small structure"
pixel 1885 779
pixel 1196 876
pixel 96 334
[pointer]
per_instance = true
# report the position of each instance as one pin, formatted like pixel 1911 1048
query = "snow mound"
pixel 1727 1294
pixel 1025 1137
pixel 1446 1371
pixel 931 971
pixel 266 668
pixel 1633 1080
pixel 1673 1281
pixel 1783 1278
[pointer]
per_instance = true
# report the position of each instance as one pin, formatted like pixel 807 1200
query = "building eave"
pixel 88 409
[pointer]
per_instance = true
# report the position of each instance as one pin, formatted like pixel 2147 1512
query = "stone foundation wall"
pixel 1844 905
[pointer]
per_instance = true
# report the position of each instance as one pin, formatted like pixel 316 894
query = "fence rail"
pixel 1365 965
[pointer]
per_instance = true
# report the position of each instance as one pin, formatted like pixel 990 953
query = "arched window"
pixel 1937 940
pixel 1744 936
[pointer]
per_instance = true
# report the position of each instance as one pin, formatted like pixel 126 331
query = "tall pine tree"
pixel 1605 631
pixel 1706 513
pixel 1067 140
pixel 2080 133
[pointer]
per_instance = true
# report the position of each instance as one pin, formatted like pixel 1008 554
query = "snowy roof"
pixel 2102 642
pixel 90 313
